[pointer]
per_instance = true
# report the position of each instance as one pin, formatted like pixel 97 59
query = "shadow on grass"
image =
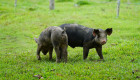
pixel 44 59
pixel 77 59
pixel 71 59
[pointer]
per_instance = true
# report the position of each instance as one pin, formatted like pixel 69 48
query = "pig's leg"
pixel 99 51
pixel 57 54
pixel 61 55
pixel 50 53
pixel 64 53
pixel 85 52
pixel 38 52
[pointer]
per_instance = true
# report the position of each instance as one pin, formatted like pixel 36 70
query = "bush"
pixel 83 3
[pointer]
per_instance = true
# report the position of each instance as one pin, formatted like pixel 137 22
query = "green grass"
pixel 64 0
pixel 19 26
pixel 83 3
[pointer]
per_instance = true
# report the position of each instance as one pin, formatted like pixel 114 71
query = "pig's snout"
pixel 103 42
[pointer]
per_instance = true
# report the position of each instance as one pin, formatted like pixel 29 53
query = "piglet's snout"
pixel 103 42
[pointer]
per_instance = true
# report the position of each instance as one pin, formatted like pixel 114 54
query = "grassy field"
pixel 19 26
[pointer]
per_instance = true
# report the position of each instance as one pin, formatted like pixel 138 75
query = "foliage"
pixel 19 26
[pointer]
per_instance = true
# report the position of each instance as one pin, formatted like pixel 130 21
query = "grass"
pixel 19 26
pixel 83 3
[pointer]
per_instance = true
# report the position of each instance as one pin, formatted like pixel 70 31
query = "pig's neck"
pixel 92 44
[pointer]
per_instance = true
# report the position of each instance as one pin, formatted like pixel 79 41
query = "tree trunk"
pixel 118 8
pixel 15 3
pixel 51 4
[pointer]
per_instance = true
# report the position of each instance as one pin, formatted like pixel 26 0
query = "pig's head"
pixel 44 51
pixel 101 35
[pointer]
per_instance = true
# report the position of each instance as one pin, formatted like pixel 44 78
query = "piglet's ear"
pixel 95 32
pixel 109 31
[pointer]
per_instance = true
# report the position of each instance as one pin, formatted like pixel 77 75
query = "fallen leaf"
pixel 132 60
pixel 59 74
pixel 38 76
pixel 114 44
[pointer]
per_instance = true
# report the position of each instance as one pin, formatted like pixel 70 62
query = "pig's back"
pixel 77 34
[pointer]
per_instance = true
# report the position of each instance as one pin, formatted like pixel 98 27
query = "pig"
pixel 88 38
pixel 53 37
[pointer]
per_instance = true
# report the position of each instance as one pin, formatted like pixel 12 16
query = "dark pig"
pixel 80 36
pixel 53 37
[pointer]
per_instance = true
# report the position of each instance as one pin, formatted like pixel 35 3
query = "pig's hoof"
pixel 58 61
pixel 65 62
pixel 39 58
pixel 84 59
pixel 50 59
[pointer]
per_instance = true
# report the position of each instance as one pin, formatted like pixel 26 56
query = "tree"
pixel 15 3
pixel 118 8
pixel 51 4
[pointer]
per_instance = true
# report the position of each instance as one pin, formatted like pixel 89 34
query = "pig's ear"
pixel 63 32
pixel 64 29
pixel 36 40
pixel 95 32
pixel 109 31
